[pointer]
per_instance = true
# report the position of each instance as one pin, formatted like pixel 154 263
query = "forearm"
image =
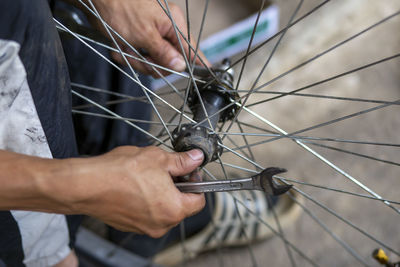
pixel 32 183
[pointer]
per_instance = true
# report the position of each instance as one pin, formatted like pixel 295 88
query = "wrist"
pixel 57 183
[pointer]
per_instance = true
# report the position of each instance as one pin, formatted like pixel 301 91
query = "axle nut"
pixel 191 137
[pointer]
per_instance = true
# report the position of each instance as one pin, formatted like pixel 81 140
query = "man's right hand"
pixel 130 188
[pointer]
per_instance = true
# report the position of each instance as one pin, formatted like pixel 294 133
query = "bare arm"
pixel 129 188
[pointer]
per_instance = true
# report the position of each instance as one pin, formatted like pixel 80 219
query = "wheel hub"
pixel 208 109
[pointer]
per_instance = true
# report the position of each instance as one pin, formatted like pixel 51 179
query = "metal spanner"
pixel 262 181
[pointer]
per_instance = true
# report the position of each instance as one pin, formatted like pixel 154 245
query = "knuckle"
pixel 122 149
pixel 176 10
pixel 202 204
pixel 157 153
pixel 178 215
pixel 174 215
pixel 157 233
pixel 179 161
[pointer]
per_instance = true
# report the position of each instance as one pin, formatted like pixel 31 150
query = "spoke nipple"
pixel 380 256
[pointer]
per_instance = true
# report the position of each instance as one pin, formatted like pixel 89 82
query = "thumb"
pixel 165 54
pixel 183 163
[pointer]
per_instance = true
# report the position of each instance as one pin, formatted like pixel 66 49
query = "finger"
pixel 183 163
pixel 171 35
pixel 201 59
pixel 196 176
pixel 192 203
pixel 142 67
pixel 165 54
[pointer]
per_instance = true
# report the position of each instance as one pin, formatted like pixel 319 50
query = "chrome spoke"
pixel 324 160
pixel 336 190
pixel 275 35
pixel 242 150
pixel 186 60
pixel 182 35
pixel 355 114
pixel 116 115
pixel 253 87
pixel 246 141
pixel 242 225
pixel 122 71
pixel 249 45
pixel 321 96
pixel 346 246
pixel 295 248
pixel 302 137
pixel 354 153
pixel 329 50
pixel 346 221
pixel 325 80
pixel 280 230
pixel 109 28
pixel 152 64
pixel 110 117
pixel 130 67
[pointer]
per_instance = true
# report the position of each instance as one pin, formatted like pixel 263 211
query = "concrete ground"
pixel 334 22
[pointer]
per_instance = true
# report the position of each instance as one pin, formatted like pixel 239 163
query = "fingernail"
pixel 197 177
pixel 196 154
pixel 177 63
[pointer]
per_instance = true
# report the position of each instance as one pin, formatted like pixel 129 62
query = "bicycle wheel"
pixel 320 98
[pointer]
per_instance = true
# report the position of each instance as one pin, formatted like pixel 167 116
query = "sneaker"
pixel 225 227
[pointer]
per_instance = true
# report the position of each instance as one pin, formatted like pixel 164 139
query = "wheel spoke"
pixel 110 117
pixel 240 146
pixel 329 50
pixel 345 221
pixel 266 64
pixel 186 61
pixel 320 96
pixel 320 124
pixel 280 230
pixel 242 225
pixel 182 35
pixel 143 59
pixel 335 190
pixel 116 115
pixel 122 71
pixel 302 137
pixel 130 68
pixel 246 141
pixel 354 153
pixel 323 159
pixel 325 80
pixel 295 248
pixel 346 246
pixel 275 35
pixel 250 44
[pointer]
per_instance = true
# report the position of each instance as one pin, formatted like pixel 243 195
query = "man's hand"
pixel 130 188
pixel 144 24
